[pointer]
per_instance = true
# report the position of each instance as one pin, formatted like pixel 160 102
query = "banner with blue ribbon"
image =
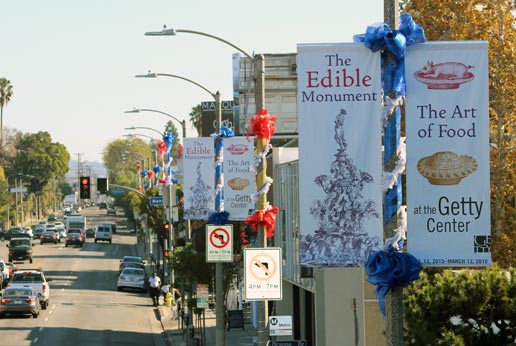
pixel 390 268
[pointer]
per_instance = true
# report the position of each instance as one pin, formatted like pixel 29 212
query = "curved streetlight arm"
pixel 182 122
pixel 172 32
pixel 140 134
pixel 143 127
pixel 154 75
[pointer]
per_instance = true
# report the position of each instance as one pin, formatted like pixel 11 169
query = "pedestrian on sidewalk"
pixel 154 285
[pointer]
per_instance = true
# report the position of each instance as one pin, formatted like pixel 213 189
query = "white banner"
pixel 340 153
pixel 239 177
pixel 199 177
pixel 447 126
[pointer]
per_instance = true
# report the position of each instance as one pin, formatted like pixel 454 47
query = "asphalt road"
pixel 85 307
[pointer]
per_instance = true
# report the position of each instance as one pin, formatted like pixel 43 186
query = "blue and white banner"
pixel 447 127
pixel 340 153
pixel 239 177
pixel 199 177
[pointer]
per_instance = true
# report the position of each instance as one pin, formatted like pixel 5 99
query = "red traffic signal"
pixel 84 189
pixel 166 253
pixel 166 229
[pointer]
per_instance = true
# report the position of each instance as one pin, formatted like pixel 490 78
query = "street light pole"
pixel 182 122
pixel 261 177
pixel 219 269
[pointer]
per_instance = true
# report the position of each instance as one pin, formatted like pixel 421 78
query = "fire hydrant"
pixel 168 300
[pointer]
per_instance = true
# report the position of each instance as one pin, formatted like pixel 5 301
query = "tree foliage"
pixel 494 22
pixel 469 307
pixel 41 158
pixel 195 118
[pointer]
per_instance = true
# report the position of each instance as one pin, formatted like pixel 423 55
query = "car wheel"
pixel 44 305
pixel 35 314
pixel 30 260
pixel 110 242
pixel 119 288
pixel 41 243
pixel 80 245
pixel 66 245
pixel 95 241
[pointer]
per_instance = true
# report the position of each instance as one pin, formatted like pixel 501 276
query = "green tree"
pixel 195 118
pixel 493 21
pixel 41 158
pixel 122 156
pixel 6 92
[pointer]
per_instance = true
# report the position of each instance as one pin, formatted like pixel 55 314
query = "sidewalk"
pixel 175 336
pixel 233 337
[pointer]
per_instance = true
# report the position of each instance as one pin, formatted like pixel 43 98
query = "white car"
pixel 35 279
pixel 62 231
pixel 132 278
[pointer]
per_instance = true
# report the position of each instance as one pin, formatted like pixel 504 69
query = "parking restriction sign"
pixel 219 243
pixel 262 273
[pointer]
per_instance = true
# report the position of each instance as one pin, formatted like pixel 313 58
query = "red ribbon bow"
pixel 262 125
pixel 266 218
pixel 161 147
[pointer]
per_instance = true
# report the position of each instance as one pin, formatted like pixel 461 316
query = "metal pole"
pixel 261 178
pixel 394 300
pixel 219 266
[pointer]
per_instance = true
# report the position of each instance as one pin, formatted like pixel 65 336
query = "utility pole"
pixel 392 133
pixel 261 178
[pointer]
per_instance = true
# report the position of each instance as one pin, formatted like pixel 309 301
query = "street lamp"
pixel 139 134
pixel 182 122
pixel 143 127
pixel 216 96
pixel 259 63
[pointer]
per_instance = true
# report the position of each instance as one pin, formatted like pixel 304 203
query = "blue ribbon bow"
pixel 379 36
pixel 389 270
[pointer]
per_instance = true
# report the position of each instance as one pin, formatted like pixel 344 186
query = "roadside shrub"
pixel 467 307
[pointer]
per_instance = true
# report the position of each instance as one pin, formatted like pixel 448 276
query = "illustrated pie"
pixel 446 167
pixel 238 183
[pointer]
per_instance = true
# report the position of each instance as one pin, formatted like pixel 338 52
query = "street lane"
pixel 85 307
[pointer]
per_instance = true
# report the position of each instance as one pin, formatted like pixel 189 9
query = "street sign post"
pixel 262 273
pixel 219 243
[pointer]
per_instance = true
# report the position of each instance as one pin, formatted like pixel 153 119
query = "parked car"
pixel 111 211
pixel 103 205
pixel 132 278
pixel 48 237
pixel 20 301
pixel 126 261
pixel 74 237
pixel 4 272
pixel 20 249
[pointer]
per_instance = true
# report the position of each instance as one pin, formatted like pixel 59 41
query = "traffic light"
pixel 102 185
pixel 166 253
pixel 85 187
pixel 166 229
pixel 34 185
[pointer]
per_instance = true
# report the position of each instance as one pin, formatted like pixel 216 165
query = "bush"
pixel 461 308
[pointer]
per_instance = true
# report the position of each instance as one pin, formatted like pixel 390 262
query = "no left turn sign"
pixel 219 243
pixel 262 273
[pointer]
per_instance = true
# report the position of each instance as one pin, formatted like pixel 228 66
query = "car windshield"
pixel 17 292
pixel 19 243
pixel 132 259
pixel 28 277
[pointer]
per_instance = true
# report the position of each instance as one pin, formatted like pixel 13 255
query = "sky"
pixel 72 63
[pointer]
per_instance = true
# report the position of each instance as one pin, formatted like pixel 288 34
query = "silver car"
pixel 19 301
pixel 132 278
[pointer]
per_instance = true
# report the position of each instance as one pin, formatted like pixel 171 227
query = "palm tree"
pixel 6 92
pixel 195 118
